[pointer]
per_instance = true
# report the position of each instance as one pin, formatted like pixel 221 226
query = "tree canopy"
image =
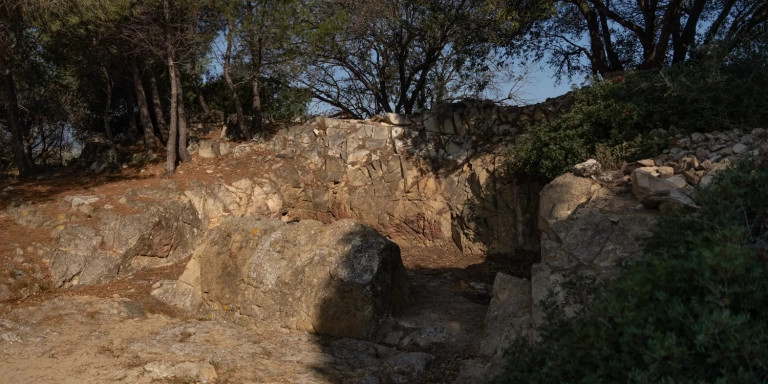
pixel 138 70
pixel 605 36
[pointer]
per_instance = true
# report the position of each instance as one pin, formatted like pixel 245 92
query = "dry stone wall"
pixel 433 178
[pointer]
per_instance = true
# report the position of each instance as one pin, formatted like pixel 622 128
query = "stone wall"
pixel 434 178
pixel 481 118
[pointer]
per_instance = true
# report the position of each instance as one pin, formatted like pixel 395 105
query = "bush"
pixel 620 118
pixel 693 310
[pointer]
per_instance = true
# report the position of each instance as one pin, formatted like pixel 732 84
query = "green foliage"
pixel 368 56
pixel 280 101
pixel 626 119
pixel 692 310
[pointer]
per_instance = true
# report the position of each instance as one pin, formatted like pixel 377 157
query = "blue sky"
pixel 541 85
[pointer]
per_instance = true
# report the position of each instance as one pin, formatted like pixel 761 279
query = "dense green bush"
pixel 692 310
pixel 618 117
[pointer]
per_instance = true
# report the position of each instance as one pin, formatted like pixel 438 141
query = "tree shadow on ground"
pixel 437 298
pixel 55 181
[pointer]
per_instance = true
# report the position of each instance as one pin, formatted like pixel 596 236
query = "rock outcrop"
pixel 341 279
pixel 591 222
pixel 433 178
pixel 164 232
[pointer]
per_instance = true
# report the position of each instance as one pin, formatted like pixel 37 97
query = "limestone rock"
pixel 179 294
pixel 638 164
pixel 185 372
pixel 339 279
pixel 208 149
pixel 587 168
pixel 509 314
pixel 162 234
pixel 562 196
pixel 672 196
pixel 592 239
pixel 77 258
pixel 644 183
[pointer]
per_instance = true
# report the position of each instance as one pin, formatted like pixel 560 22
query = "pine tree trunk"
pixel 181 120
pixel 256 49
pixel 242 130
pixel 134 129
pixel 141 100
pixel 172 147
pixel 105 114
pixel 157 106
pixel 108 89
pixel 256 112
pixel 21 157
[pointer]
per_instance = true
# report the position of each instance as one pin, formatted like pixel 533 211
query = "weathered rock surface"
pixel 508 316
pixel 587 168
pixel 587 229
pixel 341 279
pixel 593 240
pixel 74 339
pixel 163 233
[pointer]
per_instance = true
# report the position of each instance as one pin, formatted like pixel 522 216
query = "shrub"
pixel 692 310
pixel 619 118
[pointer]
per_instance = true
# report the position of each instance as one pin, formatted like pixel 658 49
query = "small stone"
pixel 208 149
pixel 757 131
pixel 224 148
pixel 716 147
pixel 697 137
pixel 638 164
pixel 587 168
pixel 393 338
pixel 727 151
pixel 739 148
pixel 665 172
pixel 701 153
pixel 691 177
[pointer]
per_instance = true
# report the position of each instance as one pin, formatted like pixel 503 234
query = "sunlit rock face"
pixel 341 279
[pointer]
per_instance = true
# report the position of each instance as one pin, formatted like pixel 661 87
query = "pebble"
pixel 739 148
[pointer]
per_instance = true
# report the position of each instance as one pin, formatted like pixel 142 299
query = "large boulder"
pixel 588 231
pixel 341 279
